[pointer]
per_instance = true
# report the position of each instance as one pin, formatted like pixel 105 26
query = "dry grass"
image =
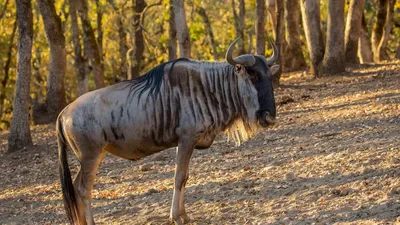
pixel 333 158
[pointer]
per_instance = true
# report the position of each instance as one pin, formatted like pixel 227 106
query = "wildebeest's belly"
pixel 136 150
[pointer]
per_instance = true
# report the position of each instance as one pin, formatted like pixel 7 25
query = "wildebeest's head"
pixel 255 78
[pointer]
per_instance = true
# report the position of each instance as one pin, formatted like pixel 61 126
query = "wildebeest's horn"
pixel 247 59
pixel 274 56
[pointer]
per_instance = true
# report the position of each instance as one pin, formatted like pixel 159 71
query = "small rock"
pixel 145 167
pixel 151 191
pixel 394 191
pixel 289 177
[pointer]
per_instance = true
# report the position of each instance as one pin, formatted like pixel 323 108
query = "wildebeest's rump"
pixel 183 103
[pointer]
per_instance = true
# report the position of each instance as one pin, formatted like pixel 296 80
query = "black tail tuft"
pixel 68 192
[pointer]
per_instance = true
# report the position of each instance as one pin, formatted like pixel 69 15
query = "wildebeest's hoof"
pixel 177 221
pixel 186 218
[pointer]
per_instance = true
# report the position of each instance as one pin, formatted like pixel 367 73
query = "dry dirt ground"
pixel 334 158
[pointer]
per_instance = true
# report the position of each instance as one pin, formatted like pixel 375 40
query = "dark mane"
pixel 151 80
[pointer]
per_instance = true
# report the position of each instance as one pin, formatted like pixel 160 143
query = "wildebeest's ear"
pixel 274 69
pixel 239 69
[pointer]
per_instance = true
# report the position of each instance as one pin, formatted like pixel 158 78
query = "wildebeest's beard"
pixel 246 125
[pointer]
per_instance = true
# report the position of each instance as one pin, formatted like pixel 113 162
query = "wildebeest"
pixel 182 103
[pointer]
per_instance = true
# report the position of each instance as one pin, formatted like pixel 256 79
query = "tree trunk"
pixel 99 19
pixel 377 30
pixel 79 58
pixel 90 44
pixel 353 30
pixel 279 40
pixel 122 73
pixel 271 7
pixel 20 134
pixel 55 99
pixel 123 49
pixel 382 47
pixel 364 48
pixel 334 56
pixel 239 24
pixel 7 69
pixel 294 54
pixel 136 54
pixel 310 11
pixel 182 28
pixel 260 27
pixel 172 33
pixel 202 12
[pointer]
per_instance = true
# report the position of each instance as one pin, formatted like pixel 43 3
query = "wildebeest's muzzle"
pixel 265 118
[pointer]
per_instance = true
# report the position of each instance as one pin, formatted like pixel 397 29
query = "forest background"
pixel 98 43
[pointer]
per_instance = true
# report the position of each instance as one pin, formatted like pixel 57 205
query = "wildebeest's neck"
pixel 211 90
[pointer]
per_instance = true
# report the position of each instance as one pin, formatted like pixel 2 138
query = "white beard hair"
pixel 245 127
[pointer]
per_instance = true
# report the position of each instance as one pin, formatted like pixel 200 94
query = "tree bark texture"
pixel 202 12
pixel 260 27
pixel 172 33
pixel 79 58
pixel 7 69
pixel 353 30
pixel 382 47
pixel 91 47
pixel 55 99
pixel 310 11
pixel 377 30
pixel 239 24
pixel 293 55
pixel 182 28
pixel 138 49
pixel 334 58
pixel 20 135
pixel 364 48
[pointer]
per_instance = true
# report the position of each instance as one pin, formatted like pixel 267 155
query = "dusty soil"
pixel 334 157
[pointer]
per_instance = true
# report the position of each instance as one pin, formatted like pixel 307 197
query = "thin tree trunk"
pixel 271 7
pixel 123 48
pixel 90 43
pixel 364 48
pixel 334 58
pixel 239 24
pixel 7 69
pixel 310 11
pixel 260 27
pixel 172 33
pixel 99 19
pixel 377 30
pixel 382 47
pixel 20 134
pixel 294 54
pixel 55 99
pixel 353 30
pixel 202 12
pixel 279 42
pixel 137 52
pixel 182 28
pixel 82 71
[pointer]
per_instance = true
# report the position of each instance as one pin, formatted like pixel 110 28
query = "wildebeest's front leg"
pixel 183 154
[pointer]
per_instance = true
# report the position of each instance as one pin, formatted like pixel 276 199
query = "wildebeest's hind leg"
pixel 84 181
pixel 183 154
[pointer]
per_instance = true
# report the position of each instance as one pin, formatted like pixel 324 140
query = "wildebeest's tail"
pixel 68 192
